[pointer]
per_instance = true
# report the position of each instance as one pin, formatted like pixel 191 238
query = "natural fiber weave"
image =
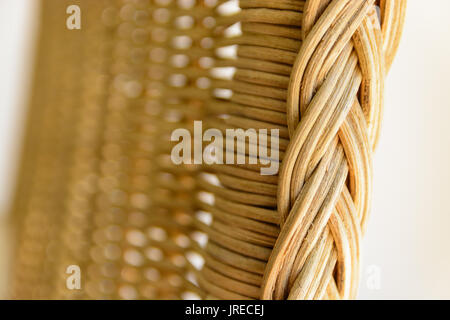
pixel 97 187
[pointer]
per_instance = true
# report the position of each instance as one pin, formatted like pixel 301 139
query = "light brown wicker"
pixel 97 187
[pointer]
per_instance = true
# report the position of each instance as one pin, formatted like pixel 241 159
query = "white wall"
pixel 408 236
pixel 407 239
pixel 17 29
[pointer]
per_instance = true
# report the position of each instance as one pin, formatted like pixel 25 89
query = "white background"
pixel 408 238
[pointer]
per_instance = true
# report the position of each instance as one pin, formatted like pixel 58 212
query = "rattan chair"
pixel 97 188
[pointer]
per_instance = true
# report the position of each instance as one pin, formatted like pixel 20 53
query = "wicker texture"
pixel 97 187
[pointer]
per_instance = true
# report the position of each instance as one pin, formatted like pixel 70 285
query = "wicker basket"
pixel 97 187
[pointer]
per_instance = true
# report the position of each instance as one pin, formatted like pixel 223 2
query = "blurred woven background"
pixel 407 239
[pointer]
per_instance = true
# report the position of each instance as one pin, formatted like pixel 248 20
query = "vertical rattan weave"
pixel 97 188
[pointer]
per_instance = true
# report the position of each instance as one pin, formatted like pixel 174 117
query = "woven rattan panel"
pixel 97 187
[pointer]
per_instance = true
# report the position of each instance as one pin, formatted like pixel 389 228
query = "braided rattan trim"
pixel 336 85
